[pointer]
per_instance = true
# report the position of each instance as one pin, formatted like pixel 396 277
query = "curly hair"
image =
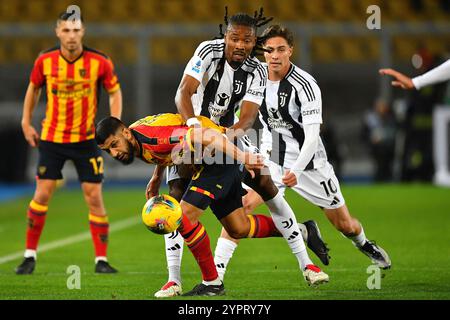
pixel 244 19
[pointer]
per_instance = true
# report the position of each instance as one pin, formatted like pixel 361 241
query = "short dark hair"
pixel 64 16
pixel 106 127
pixel 277 30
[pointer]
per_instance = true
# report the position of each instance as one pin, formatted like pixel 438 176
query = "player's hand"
pixel 401 80
pixel 289 179
pixel 30 135
pixel 253 162
pixel 152 188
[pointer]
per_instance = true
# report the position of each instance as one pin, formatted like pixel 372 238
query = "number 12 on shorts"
pixel 97 165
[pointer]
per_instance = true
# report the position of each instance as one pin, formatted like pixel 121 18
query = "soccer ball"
pixel 162 214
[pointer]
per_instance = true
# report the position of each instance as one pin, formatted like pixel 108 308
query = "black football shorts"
pixel 85 155
pixel 218 186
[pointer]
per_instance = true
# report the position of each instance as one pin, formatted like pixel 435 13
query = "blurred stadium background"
pixel 150 42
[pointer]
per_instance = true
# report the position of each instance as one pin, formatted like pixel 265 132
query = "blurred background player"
pixel 379 130
pixel 222 77
pixel 71 73
pixel 291 114
pixel 436 75
pixel 417 163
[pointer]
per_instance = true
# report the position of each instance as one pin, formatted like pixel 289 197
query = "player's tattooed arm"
pixel 31 99
pixel 155 182
pixel 188 86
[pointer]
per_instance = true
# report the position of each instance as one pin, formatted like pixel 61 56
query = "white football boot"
pixel 314 276
pixel 170 289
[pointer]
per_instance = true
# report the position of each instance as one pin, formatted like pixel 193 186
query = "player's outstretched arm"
pixel 115 103
pixel 31 99
pixel 213 139
pixel 401 80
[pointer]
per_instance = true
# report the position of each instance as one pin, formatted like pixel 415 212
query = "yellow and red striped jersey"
pixel 158 135
pixel 72 92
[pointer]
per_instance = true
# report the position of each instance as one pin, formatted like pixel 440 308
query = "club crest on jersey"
pixel 283 97
pixel 42 170
pixel 238 86
pixel 82 72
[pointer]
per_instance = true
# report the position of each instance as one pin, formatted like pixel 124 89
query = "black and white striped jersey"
pixel 288 105
pixel 222 88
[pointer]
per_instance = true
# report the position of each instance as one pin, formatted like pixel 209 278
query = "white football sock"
pixel 100 258
pixel 286 223
pixel 304 231
pixel 222 255
pixel 359 239
pixel 216 282
pixel 174 252
pixel 30 254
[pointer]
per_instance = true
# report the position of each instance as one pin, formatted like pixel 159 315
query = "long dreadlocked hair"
pixel 244 19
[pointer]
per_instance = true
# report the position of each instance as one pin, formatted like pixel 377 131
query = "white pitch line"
pixel 116 226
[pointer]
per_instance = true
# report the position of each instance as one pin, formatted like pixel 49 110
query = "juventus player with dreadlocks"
pixel 291 115
pixel 222 76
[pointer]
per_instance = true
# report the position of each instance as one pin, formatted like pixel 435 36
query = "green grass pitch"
pixel 412 222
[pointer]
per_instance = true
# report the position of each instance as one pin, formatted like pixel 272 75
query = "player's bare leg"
pixel 353 230
pixel 37 212
pixel 99 225
pixel 174 243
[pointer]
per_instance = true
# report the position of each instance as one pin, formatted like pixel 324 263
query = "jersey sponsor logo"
pixel 73 94
pixel 238 85
pixel 310 112
pixel 255 93
pixel 222 99
pixel 196 67
pixel 275 120
pixel 283 96
pixel 219 108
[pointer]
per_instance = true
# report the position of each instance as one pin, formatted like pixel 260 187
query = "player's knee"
pixel 263 185
pixel 94 201
pixel 42 197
